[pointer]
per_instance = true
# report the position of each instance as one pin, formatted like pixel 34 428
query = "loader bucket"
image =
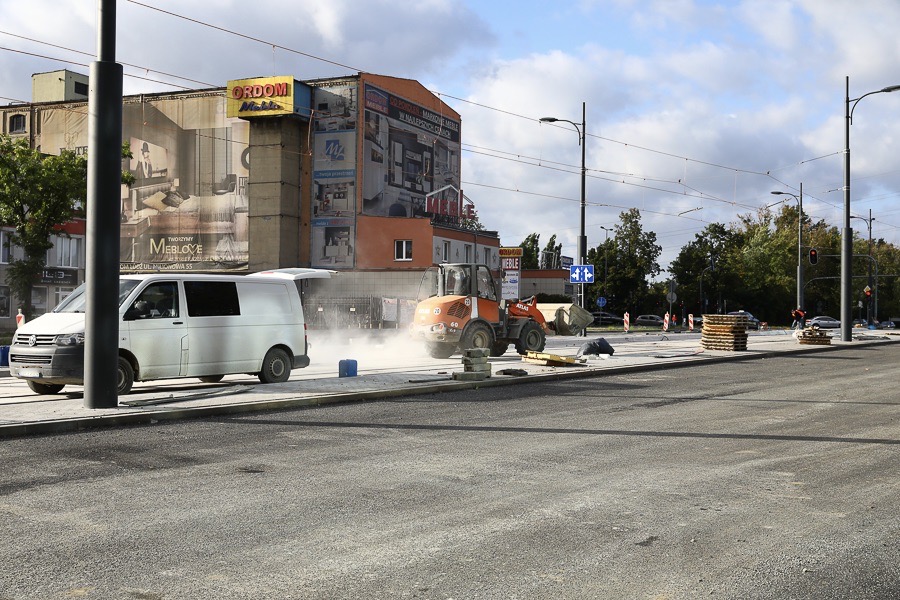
pixel 566 319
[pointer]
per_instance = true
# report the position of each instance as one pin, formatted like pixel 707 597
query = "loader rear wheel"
pixel 440 349
pixel 531 338
pixel 477 335
pixel 499 348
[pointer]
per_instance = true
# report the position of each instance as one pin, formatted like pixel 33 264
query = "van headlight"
pixel 69 339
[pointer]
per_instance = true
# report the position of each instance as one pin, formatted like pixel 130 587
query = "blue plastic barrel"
pixel 347 368
pixel 4 357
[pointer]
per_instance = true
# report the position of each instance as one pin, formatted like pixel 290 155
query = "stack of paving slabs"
pixel 724 332
pixel 813 336
pixel 475 365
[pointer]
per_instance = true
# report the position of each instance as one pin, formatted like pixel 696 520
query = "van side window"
pixel 157 301
pixel 211 298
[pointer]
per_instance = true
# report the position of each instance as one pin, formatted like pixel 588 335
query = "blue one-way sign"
pixel 581 274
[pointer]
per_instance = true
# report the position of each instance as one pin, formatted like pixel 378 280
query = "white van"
pixel 176 325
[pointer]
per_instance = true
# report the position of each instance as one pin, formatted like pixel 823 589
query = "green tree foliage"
pixel 632 262
pixel 37 194
pixel 531 251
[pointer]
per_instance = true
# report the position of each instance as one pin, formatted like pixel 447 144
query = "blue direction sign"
pixel 601 302
pixel 581 274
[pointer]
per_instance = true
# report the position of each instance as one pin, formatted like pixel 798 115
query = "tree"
pixel 633 262
pixel 38 193
pixel 530 251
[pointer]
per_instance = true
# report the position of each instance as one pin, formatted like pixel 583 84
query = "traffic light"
pixel 868 292
pixel 813 256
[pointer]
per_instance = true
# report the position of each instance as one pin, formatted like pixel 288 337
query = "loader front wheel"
pixel 499 348
pixel 477 335
pixel 440 349
pixel 531 338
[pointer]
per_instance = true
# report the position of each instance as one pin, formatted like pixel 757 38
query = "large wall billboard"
pixel 409 152
pixel 188 207
pixel 333 230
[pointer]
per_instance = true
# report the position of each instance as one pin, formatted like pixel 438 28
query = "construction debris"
pixel 813 336
pixel 596 348
pixel 724 332
pixel 549 360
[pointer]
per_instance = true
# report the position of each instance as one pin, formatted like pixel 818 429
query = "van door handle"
pixel 177 322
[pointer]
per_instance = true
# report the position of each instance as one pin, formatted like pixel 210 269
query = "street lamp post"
pixel 870 282
pixel 582 141
pixel 799 200
pixel 847 232
pixel 605 263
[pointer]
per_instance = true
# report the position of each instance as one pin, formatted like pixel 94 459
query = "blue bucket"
pixel 347 368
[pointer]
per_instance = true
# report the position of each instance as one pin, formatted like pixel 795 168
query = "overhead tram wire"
pixel 319 58
pixel 309 55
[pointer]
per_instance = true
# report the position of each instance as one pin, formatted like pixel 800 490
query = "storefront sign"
pixel 57 276
pixel 262 96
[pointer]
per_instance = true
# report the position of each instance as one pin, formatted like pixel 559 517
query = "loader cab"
pixel 458 280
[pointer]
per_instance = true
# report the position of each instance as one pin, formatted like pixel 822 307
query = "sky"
pixel 694 110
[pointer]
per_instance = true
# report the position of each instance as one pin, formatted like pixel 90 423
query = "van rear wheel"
pixel 126 377
pixel 276 367
pixel 44 388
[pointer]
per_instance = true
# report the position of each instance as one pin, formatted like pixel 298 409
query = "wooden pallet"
pixel 724 332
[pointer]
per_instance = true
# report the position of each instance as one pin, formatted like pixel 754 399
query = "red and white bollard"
pixel 690 322
pixel 625 320
pixel 20 319
pixel 666 322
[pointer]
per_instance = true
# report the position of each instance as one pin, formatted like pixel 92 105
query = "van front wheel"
pixel 126 377
pixel 44 388
pixel 276 367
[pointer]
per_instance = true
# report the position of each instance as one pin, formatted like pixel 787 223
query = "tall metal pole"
pixel 582 239
pixel 103 217
pixel 846 232
pixel 869 316
pixel 800 251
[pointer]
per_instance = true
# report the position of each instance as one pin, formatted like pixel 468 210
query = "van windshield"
pixel 77 300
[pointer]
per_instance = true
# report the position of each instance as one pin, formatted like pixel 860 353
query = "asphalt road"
pixel 773 478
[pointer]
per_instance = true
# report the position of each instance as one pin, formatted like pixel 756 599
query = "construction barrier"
pixel 625 321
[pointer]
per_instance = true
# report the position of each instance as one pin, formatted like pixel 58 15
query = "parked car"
pixel 752 322
pixel 823 322
pixel 887 325
pixel 606 318
pixel 649 320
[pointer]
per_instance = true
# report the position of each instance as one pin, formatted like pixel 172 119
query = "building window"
pixel 17 124
pixel 60 294
pixel 39 299
pixel 4 301
pixel 66 252
pixel 468 253
pixel 402 249
pixel 445 256
pixel 487 256
pixel 81 88
pixel 6 253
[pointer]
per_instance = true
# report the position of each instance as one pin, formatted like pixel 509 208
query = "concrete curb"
pixel 56 426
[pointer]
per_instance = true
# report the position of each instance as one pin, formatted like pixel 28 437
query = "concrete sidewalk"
pixel 24 413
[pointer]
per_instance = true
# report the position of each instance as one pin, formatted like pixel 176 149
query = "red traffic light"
pixel 868 292
pixel 813 256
